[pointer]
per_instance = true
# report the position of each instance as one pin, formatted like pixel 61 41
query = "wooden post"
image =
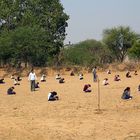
pixel 99 95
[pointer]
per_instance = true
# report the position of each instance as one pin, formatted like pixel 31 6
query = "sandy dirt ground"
pixel 29 116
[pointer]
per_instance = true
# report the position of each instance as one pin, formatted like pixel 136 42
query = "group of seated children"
pixel 16 79
pixel 128 75
pixel 58 77
pixel 117 78
pixel 52 96
pixel 80 75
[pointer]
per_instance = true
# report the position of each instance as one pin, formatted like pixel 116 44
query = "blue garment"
pixel 94 75
pixel 126 95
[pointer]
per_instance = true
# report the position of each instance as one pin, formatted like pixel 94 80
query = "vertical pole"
pixel 98 94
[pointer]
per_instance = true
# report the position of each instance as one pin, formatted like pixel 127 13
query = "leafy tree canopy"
pixel 134 52
pixel 119 40
pixel 33 28
pixel 87 53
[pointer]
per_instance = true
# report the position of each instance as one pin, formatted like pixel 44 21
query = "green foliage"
pixel 87 53
pixel 134 52
pixel 33 30
pixel 119 40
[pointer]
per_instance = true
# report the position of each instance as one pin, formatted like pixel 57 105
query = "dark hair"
pixel 127 89
pixel 54 93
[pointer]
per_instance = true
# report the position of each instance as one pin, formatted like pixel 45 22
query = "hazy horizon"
pixel 89 18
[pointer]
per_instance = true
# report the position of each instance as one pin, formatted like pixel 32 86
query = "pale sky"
pixel 88 18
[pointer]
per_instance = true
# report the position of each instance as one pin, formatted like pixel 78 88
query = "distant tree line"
pixel 117 43
pixel 32 33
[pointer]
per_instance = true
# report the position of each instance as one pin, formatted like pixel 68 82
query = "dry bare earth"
pixel 29 116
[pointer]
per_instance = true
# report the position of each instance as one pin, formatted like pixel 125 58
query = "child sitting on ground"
pixel 81 76
pixel 109 72
pixel 52 96
pixel 139 88
pixel 105 82
pixel 126 94
pixel 16 82
pixel 128 75
pixel 37 85
pixel 61 80
pixel 1 80
pixel 135 73
pixel 19 78
pixel 57 77
pixel 117 78
pixel 12 76
pixel 43 78
pixel 72 73
pixel 87 88
pixel 10 91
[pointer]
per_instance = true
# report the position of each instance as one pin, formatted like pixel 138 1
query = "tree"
pixel 36 28
pixel 87 53
pixel 134 52
pixel 119 40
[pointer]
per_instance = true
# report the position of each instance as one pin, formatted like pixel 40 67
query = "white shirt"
pixel 12 77
pixel 105 82
pixel 32 76
pixel 57 77
pixel 15 81
pixel 49 96
pixel 42 78
pixel 80 76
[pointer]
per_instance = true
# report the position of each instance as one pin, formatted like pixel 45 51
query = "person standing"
pixel 94 74
pixel 32 77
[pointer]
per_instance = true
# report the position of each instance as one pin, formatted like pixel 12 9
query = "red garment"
pixel 85 87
